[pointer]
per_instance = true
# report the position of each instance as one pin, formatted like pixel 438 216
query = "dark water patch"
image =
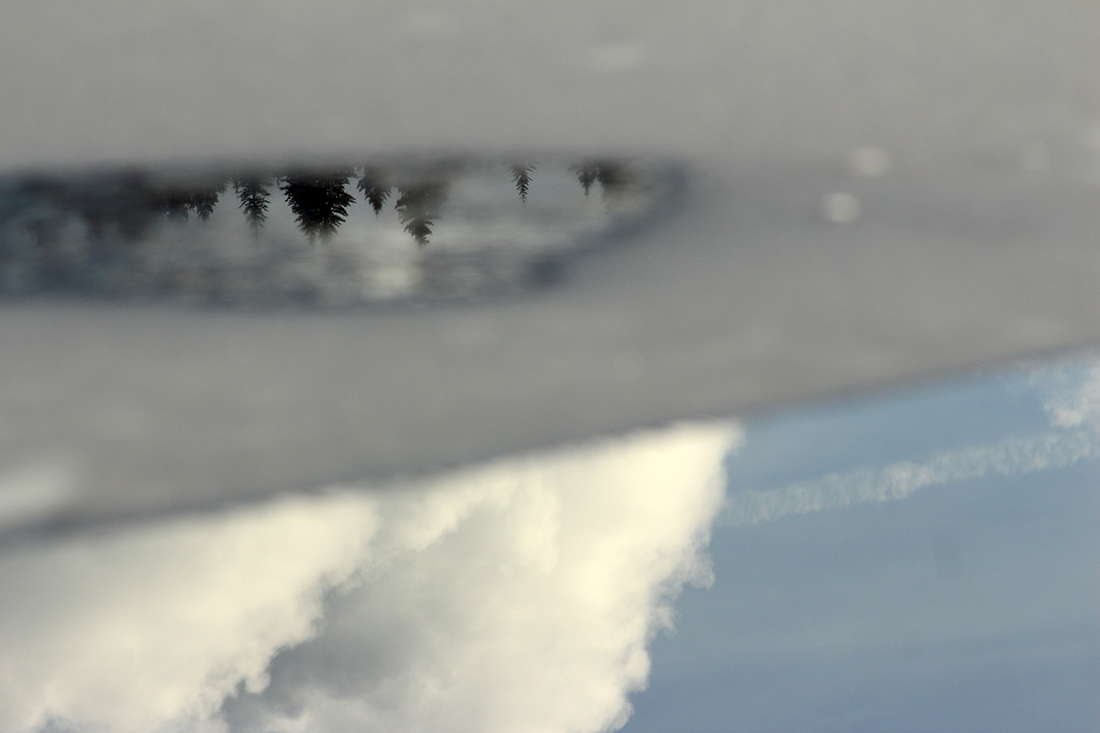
pixel 318 235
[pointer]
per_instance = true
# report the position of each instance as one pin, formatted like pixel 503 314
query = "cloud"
pixel 1072 404
pixel 1072 394
pixel 149 629
pixel 519 596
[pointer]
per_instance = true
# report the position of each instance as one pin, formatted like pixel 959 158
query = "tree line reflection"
pixel 319 199
pixel 270 235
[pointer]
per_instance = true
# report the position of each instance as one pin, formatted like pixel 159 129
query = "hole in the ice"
pixel 328 235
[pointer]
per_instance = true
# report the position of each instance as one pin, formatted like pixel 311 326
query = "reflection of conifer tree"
pixel 612 177
pixel 203 200
pixel 418 207
pixel 319 201
pixel 254 199
pixel 175 204
pixel 586 174
pixel 375 190
pixel 521 176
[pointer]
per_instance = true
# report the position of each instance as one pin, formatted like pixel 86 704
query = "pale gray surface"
pixel 789 78
pixel 978 244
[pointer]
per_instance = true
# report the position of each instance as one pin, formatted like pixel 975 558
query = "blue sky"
pixel 970 603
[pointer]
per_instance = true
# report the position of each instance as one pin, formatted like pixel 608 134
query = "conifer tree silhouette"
pixel 254 199
pixel 419 206
pixel 586 174
pixel 319 201
pixel 374 188
pixel 521 176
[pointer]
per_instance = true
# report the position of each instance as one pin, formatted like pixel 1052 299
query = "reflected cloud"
pixel 1072 394
pixel 1072 404
pixel 517 595
pixel 970 605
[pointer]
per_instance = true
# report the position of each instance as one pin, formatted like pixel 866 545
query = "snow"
pixel 968 249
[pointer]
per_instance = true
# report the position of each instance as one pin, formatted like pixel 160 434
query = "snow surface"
pixel 877 193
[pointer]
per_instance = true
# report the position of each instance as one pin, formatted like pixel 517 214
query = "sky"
pixel 926 559
pixel 922 560
pixel 516 595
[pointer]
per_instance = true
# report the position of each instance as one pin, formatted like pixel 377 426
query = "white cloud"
pixel 148 629
pixel 900 480
pixel 516 596
pixel 1073 398
pixel 1073 407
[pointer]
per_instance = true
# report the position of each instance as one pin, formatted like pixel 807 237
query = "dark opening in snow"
pixel 328 235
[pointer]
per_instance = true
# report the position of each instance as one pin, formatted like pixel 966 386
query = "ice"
pixel 744 300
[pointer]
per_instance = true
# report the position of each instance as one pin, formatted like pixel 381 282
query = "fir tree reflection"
pixel 254 199
pixel 203 200
pixel 176 203
pixel 91 229
pixel 586 175
pixel 419 206
pixel 318 201
pixel 612 177
pixel 521 176
pixel 374 188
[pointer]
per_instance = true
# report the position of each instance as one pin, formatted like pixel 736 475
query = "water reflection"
pixel 372 184
pixel 925 560
pixel 319 201
pixel 157 234
pixel 419 206
pixel 517 595
pixel 521 175
pixel 252 192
